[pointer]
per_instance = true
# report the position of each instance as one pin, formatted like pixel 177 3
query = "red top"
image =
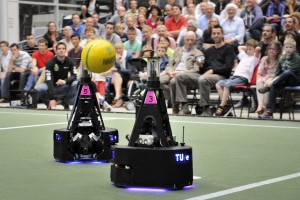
pixel 41 59
pixel 172 25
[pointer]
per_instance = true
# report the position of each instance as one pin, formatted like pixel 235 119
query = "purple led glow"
pixel 140 189
pixel 84 162
pixel 188 187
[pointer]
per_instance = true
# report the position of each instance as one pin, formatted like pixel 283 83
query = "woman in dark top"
pixel 207 40
pixel 52 36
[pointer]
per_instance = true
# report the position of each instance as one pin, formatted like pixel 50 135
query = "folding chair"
pixel 287 97
pixel 250 89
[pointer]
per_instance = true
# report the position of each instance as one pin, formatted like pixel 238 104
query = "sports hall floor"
pixel 233 159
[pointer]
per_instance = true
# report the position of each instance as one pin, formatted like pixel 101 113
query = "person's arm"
pixel 72 71
pixel 257 52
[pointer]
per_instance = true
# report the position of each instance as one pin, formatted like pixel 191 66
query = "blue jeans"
pixel 287 78
pixel 68 92
pixel 32 79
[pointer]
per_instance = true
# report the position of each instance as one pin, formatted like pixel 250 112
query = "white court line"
pixel 245 187
pixel 174 121
pixel 38 125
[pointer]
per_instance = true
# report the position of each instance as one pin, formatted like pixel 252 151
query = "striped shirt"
pixel 23 61
pixel 29 49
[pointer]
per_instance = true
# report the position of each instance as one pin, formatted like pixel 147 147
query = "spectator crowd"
pixel 210 45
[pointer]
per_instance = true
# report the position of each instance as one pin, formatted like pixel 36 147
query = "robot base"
pixel 168 167
pixel 64 151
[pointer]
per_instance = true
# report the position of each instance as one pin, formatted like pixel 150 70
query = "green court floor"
pixel 234 159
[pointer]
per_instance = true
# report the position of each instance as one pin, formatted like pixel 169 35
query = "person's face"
pixel 89 22
pixel 42 47
pixel 141 18
pixel 75 19
pixel 133 5
pixel 52 27
pixel 131 35
pixel 289 49
pixel 250 50
pixel 119 31
pixel 209 11
pixel 170 2
pixel 203 8
pixel 119 50
pixel 154 12
pixel 237 2
pixel 289 24
pixel 168 11
pixel 217 35
pixel 30 40
pixel 161 52
pixel 273 51
pixel 95 18
pixel 213 22
pixel 175 11
pixel 15 51
pixel 121 11
pixel 190 27
pixel 164 41
pixel 151 2
pixel 89 34
pixel 4 48
pixel 68 31
pixel 191 8
pixel 146 33
pixel 159 22
pixel 75 41
pixel 161 32
pixel 60 50
pixel 109 29
pixel 267 32
pixel 231 12
pixel 189 41
pixel 130 22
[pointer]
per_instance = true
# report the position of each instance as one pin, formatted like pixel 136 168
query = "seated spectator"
pixel 160 21
pixel 133 45
pixel 209 13
pixel 253 20
pixel 287 74
pixel 58 83
pixel 141 21
pixel 268 35
pixel 233 27
pixel 133 8
pixel 38 63
pixel 207 39
pixel 180 73
pixel 75 53
pixel 109 34
pixel 131 23
pixel 296 17
pixel 191 12
pixel 90 34
pixel 119 17
pixel 20 62
pixel 238 3
pixel 120 73
pixel 265 75
pixel 201 8
pixel 67 39
pixel 161 31
pixel 52 35
pixel 168 11
pixel 76 26
pixel 155 13
pixel 90 23
pixel 89 7
pixel 191 26
pixel 176 22
pixel 289 25
pixel 5 76
pixel 219 60
pixel 185 10
pixel 249 58
pixel 120 31
pixel 99 27
pixel 142 10
pixel 274 14
pixel 30 45
pixel 165 41
pixel 148 40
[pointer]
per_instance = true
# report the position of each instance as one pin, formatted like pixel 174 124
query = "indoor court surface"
pixel 233 159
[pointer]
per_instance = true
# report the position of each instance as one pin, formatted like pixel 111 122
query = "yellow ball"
pixel 98 56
